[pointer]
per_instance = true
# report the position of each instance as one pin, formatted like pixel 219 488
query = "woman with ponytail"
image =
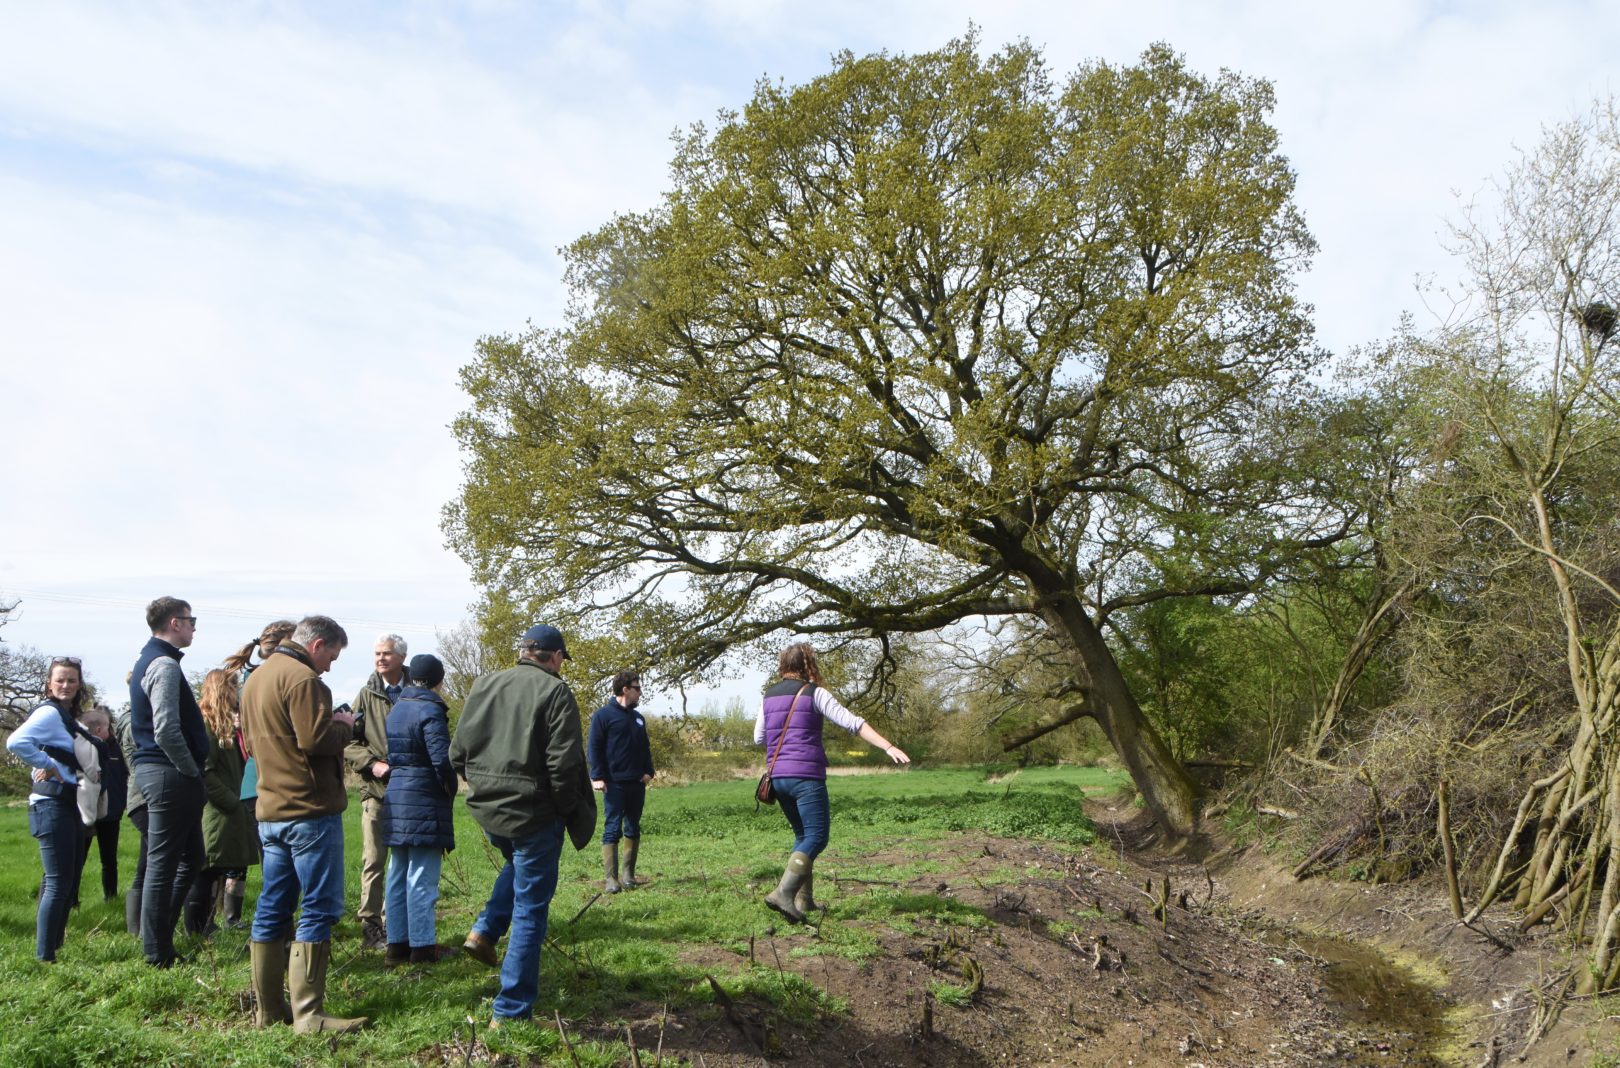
pixel 789 725
pixel 240 663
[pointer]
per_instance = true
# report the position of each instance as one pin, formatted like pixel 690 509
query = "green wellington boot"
pixel 610 867
pixel 632 846
pixel 781 899
pixel 805 899
pixel 268 961
pixel 306 975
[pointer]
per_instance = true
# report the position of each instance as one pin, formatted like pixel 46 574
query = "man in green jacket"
pixel 367 757
pixel 520 748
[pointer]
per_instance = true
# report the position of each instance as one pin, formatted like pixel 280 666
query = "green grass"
pixel 710 859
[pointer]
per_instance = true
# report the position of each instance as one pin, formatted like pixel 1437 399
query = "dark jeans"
pixel 105 834
pixel 174 853
pixel 138 818
pixel 622 803
pixel 804 803
pixel 54 821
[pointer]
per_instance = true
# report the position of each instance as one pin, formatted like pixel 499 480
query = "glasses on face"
pixel 187 619
pixel 70 661
pixel 636 686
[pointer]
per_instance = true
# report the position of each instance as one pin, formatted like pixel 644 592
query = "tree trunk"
pixel 1162 781
pixel 1382 615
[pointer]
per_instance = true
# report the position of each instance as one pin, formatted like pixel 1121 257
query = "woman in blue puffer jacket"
pixel 417 823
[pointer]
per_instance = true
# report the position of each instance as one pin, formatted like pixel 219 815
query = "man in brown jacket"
pixel 297 739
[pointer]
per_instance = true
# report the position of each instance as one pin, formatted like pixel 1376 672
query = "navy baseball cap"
pixel 546 637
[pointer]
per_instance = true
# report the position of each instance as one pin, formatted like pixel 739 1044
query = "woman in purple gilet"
pixel 789 724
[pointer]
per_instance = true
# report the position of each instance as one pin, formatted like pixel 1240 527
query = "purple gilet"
pixel 802 756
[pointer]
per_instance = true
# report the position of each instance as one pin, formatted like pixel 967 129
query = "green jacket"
pixel 370 742
pixel 228 830
pixel 521 750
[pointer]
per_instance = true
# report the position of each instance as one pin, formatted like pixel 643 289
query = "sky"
pixel 246 247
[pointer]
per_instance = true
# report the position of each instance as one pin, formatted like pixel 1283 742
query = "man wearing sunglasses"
pixel 171 746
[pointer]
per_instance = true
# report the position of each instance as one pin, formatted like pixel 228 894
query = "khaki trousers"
pixel 373 861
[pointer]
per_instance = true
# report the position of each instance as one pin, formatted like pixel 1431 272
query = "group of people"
pixel 252 771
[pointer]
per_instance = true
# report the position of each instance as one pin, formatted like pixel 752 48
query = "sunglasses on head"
pixel 70 661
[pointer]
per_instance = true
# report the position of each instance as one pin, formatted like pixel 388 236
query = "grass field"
pixel 709 857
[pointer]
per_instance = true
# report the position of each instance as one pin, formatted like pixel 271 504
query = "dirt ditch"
pixel 1078 964
pixel 1088 960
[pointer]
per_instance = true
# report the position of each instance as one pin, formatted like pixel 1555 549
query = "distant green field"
pixel 709 856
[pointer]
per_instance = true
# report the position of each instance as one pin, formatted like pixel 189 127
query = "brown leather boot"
pixel 482 950
pixel 307 984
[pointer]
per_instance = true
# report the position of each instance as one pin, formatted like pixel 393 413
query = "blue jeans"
pixel 55 822
pixel 804 803
pixel 534 880
pixel 413 891
pixel 496 917
pixel 622 803
pixel 174 853
pixel 301 857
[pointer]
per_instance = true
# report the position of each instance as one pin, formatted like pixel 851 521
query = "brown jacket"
pixel 289 731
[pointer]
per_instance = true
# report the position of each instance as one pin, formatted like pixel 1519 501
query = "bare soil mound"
pixel 1074 964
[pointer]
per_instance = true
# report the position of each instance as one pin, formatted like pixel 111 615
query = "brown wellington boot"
pixel 632 846
pixel 269 967
pixel 481 950
pixel 781 899
pixel 805 899
pixel 610 867
pixel 306 980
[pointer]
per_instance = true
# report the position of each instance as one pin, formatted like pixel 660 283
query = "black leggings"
pixel 105 832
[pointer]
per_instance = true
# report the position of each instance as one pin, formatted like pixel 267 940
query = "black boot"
pixel 233 910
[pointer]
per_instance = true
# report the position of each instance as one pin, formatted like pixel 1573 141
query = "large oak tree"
pixel 929 339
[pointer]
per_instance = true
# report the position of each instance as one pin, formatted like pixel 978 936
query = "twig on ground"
pixel 729 1008
pixel 569 1046
pixel 635 1054
pixel 583 907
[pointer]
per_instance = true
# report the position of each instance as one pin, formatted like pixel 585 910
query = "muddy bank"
pixel 1073 963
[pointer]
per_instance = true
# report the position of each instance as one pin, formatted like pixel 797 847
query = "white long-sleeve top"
pixel 825 703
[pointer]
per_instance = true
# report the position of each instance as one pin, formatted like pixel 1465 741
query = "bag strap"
pixel 780 738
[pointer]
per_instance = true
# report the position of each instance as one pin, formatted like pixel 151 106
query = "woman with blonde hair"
pixel 227 826
pixel 789 724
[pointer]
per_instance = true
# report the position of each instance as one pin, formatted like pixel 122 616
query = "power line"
pixel 204 609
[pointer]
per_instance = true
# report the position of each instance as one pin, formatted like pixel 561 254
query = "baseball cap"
pixel 546 637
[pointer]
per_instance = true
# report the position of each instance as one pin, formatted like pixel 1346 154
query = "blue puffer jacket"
pixel 421 782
